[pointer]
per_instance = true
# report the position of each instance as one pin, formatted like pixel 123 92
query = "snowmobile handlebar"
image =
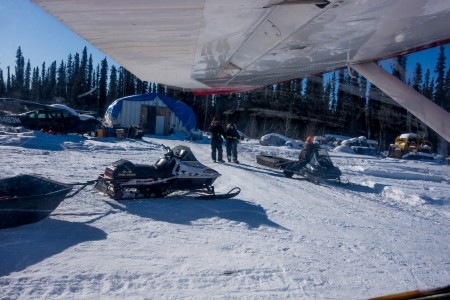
pixel 169 151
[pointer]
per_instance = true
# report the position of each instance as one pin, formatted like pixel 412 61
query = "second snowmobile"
pixel 177 170
pixel 320 166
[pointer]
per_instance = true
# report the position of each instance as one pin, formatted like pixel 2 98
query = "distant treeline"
pixel 338 103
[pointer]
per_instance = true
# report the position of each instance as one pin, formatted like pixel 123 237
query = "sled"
pixel 273 162
pixel 26 199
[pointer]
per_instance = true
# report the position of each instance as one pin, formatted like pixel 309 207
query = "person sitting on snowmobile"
pixel 303 158
pixel 217 132
pixel 307 151
pixel 232 136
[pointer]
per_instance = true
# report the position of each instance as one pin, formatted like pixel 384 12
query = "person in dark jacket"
pixel 217 132
pixel 303 158
pixel 232 139
pixel 307 151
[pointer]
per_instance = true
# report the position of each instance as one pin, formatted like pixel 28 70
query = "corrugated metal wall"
pixel 131 114
pixel 131 111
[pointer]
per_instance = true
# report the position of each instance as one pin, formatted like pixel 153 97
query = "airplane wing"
pixel 237 45
pixel 18 106
pixel 217 46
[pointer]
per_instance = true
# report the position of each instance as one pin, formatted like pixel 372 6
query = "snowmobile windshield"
pixel 321 157
pixel 184 153
pixel 323 153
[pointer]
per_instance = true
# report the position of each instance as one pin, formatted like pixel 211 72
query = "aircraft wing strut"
pixel 424 109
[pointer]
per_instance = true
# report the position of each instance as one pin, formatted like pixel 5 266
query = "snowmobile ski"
pixel 231 193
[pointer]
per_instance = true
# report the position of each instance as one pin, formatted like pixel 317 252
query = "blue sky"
pixel 44 39
pixel 41 37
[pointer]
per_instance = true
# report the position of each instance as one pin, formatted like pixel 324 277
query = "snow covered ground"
pixel 386 231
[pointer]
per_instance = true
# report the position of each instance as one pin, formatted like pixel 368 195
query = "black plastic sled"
pixel 273 162
pixel 26 199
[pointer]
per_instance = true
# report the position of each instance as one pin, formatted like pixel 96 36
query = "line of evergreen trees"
pixel 339 103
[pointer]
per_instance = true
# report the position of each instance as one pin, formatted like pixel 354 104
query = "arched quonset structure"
pixel 155 113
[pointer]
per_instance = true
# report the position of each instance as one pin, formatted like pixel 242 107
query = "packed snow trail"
pixel 385 232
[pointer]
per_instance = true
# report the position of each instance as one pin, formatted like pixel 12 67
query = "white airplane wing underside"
pixel 238 45
pixel 217 46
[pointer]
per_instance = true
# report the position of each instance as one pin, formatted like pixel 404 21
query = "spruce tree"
pixel 2 85
pixel 77 84
pixel 35 84
pixel 18 87
pixel 417 78
pixel 42 82
pixel 69 79
pixel 440 95
pixel 90 71
pixel 121 83
pixel 84 83
pixel 50 92
pixel 113 89
pixel 426 87
pixel 8 81
pixel 103 81
pixel 61 82
pixel 27 82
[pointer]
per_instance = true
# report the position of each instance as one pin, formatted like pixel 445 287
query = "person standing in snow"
pixel 217 132
pixel 232 139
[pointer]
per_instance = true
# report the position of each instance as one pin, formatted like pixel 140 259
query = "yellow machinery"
pixel 411 146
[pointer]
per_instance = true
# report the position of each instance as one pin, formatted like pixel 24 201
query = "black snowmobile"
pixel 177 170
pixel 320 167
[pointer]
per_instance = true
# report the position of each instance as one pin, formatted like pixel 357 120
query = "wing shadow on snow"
pixel 24 246
pixel 184 210
pixel 406 176
pixel 355 187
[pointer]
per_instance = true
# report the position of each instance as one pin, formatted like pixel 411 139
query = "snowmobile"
pixel 319 168
pixel 177 170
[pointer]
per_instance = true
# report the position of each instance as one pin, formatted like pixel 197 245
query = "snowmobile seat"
pixel 143 171
pixel 162 164
pixel 126 169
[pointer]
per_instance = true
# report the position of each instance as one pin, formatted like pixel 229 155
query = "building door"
pixel 147 120
pixel 159 128
pixel 164 112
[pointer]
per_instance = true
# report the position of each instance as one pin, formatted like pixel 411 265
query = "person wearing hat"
pixel 232 139
pixel 307 151
pixel 217 132
pixel 303 158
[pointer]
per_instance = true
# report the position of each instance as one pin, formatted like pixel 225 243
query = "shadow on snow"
pixel 185 210
pixel 24 246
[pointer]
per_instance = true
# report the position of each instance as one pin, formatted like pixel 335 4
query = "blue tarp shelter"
pixel 153 112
